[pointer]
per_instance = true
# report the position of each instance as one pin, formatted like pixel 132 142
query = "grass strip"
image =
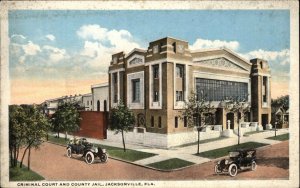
pixel 129 155
pixel 221 152
pixel 170 164
pixel 282 137
pixel 23 174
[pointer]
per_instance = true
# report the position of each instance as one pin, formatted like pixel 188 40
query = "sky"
pixel 56 53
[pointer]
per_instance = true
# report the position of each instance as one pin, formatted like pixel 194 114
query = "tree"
pixel 16 132
pixel 282 101
pixel 238 106
pixel 121 119
pixel 66 118
pixel 194 113
pixel 37 126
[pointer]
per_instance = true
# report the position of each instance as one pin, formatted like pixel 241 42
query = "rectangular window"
pixel 218 90
pixel 179 96
pixel 176 122
pixel 179 71
pixel 174 47
pixel 185 121
pixel 156 96
pixel 159 122
pixel 155 71
pixel 87 102
pixel 264 89
pixel 152 121
pixel 115 98
pixel 91 102
pixel 135 90
pixel 115 77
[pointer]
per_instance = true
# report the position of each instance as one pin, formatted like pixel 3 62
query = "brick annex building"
pixel 154 84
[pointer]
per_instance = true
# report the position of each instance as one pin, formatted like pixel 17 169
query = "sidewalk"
pixel 187 153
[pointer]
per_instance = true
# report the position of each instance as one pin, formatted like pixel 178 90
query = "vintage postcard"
pixel 149 94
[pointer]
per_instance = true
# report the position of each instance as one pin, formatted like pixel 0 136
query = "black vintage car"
pixel 238 160
pixel 87 150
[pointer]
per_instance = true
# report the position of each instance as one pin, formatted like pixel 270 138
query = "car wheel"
pixel 89 157
pixel 253 165
pixel 69 152
pixel 217 171
pixel 103 158
pixel 232 170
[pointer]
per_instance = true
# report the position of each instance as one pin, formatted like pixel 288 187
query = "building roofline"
pixel 87 94
pixel 135 50
pixel 222 48
pixel 170 38
pixel 105 84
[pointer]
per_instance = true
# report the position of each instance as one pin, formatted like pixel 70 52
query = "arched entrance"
pixel 98 105
pixel 230 116
pixel 105 106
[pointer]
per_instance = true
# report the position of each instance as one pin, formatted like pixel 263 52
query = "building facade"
pixel 155 83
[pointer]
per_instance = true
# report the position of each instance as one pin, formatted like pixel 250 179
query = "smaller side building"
pixel 100 97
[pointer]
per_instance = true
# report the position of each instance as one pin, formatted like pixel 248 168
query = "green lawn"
pixel 202 141
pixel 129 155
pixel 282 137
pixel 22 174
pixel 60 140
pixel 216 153
pixel 171 164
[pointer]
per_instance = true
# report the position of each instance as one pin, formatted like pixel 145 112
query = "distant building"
pixel 87 102
pixel 155 83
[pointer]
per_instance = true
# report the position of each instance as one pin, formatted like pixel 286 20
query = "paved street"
pixel 52 163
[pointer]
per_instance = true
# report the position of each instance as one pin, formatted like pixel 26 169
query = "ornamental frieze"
pixel 220 63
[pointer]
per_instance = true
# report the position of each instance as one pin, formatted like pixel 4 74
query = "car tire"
pixel 233 170
pixel 103 158
pixel 69 152
pixel 89 157
pixel 217 171
pixel 253 165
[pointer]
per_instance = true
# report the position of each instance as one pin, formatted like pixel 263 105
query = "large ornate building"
pixel 154 84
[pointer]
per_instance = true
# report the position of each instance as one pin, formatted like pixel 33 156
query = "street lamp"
pixel 198 126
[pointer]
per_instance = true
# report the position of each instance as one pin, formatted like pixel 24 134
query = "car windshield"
pixel 233 154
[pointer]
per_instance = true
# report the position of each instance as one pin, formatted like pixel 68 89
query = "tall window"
pixel 91 102
pixel 87 102
pixel 185 121
pixel 218 90
pixel 176 122
pixel 156 96
pixel 155 71
pixel 264 89
pixel 152 121
pixel 179 96
pixel 179 71
pixel 98 105
pixel 115 98
pixel 115 77
pixel 159 122
pixel 136 90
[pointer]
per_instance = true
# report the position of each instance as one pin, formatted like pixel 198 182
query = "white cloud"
pixel 279 57
pixel 203 43
pixel 30 48
pixel 50 37
pixel 100 43
pixel 18 39
pixel 55 54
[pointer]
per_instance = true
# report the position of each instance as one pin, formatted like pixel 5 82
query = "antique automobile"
pixel 87 150
pixel 238 160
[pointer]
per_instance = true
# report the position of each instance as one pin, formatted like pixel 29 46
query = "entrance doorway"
pixel 230 116
pixel 264 120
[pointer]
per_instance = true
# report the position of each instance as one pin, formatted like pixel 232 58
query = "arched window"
pixel 98 105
